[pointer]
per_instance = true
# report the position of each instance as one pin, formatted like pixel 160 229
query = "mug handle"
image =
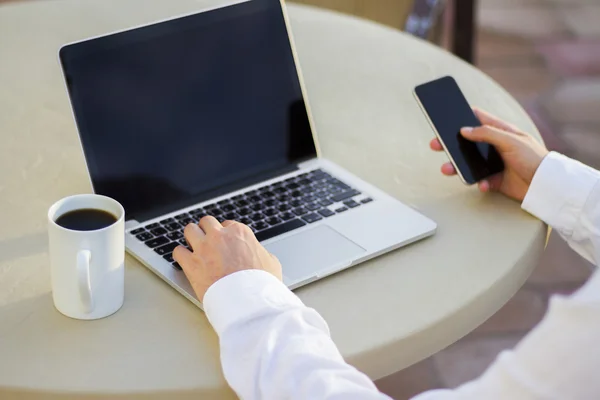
pixel 84 280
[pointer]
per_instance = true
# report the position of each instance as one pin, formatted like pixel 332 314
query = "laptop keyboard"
pixel 269 211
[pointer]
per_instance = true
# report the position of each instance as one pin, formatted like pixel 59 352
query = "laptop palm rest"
pixel 313 252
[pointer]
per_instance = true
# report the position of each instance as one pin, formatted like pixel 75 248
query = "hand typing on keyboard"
pixel 219 250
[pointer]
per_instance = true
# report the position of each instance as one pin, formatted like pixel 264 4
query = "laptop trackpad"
pixel 313 251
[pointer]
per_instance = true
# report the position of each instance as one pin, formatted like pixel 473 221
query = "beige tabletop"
pixel 384 315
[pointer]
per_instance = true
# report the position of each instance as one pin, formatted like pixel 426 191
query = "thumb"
pixel 498 138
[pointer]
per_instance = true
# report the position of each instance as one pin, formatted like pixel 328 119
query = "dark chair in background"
pixel 427 19
pixel 422 18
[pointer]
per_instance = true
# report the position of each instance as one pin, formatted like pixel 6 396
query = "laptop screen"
pixel 180 111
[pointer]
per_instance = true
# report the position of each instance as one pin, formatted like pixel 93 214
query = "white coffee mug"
pixel 87 267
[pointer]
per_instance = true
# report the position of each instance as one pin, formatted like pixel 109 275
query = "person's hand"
pixel 221 250
pixel 521 153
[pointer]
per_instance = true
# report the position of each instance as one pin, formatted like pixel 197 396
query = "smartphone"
pixel 448 111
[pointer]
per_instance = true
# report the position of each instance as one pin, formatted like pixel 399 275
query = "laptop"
pixel 206 114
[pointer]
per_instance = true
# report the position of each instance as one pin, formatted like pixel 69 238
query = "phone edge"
pixel 437 135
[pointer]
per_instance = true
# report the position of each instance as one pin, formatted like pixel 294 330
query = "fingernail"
pixel 467 129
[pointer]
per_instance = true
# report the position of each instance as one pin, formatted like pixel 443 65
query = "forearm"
pixel 274 347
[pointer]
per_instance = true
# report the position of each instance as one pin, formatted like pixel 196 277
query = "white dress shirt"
pixel 274 347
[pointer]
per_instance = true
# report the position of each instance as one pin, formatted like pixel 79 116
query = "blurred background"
pixel 546 53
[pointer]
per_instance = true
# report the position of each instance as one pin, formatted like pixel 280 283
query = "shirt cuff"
pixel 246 295
pixel 559 190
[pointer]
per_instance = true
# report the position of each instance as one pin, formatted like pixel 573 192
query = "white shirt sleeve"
pixel 274 347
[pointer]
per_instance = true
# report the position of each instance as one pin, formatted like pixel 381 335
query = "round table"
pixel 384 315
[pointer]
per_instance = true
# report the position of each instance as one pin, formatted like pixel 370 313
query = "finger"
pixel 228 223
pixel 210 224
pixel 194 235
pixel 184 257
pixel 484 186
pixel 495 182
pixel 448 169
pixel 435 145
pixel 488 134
pixel 488 119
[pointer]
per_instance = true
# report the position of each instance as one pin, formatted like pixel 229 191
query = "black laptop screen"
pixel 177 112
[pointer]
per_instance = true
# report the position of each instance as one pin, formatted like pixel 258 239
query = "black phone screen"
pixel 449 111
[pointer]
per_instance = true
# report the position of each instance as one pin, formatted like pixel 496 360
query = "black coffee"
pixel 87 219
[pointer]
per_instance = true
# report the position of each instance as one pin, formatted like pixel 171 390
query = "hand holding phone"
pixel 448 111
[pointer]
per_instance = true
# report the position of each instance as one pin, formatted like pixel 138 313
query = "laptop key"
pixel 280 229
pixel 296 203
pixel 244 211
pixel 286 216
pixel 183 242
pixel 144 236
pixel 325 203
pixel 228 207
pixel 345 195
pixel 351 204
pixel 309 199
pixel 258 206
pixel 215 211
pixel 326 212
pixel 367 200
pixel 182 216
pixel 313 206
pixel 153 226
pixel 245 221
pixel 209 207
pixel 251 193
pixel 255 199
pixel 283 198
pixel 175 235
pixel 259 226
pixel 159 241
pixel 341 210
pixel 242 203
pixel 167 248
pixel 220 218
pixel 238 197
pixel 167 221
pixel 158 231
pixel 257 217
pixel 270 203
pixel 187 221
pixel 270 212
pixel 284 207
pixel 300 211
pixel 137 231
pixel 231 216
pixel 273 221
pixel 173 226
pixel 223 202
pixel 280 190
pixel 168 257
pixel 312 217
pixel 177 266
pixel 197 211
